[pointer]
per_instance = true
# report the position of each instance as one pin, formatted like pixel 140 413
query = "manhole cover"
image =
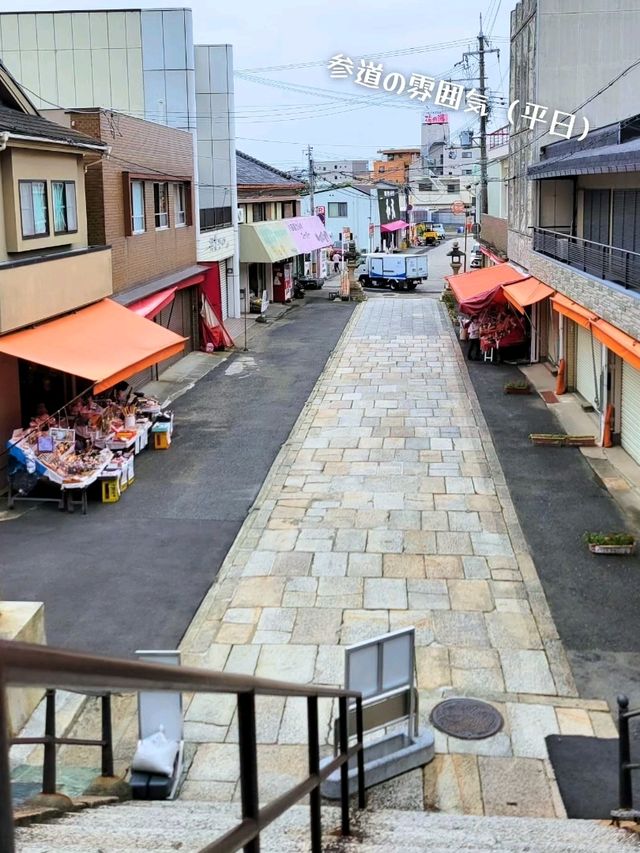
pixel 468 719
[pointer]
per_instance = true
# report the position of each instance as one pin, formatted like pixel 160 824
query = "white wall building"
pixel 353 207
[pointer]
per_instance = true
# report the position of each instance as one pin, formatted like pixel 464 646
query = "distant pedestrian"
pixel 336 258
pixel 473 329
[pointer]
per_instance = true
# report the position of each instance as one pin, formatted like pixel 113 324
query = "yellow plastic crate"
pixel 161 440
pixel 111 490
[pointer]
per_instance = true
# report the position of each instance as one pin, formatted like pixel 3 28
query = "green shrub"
pixel 609 538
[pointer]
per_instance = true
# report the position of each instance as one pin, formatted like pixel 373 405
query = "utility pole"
pixel 482 51
pixel 315 255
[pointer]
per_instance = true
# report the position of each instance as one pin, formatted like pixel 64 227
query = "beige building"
pixel 47 267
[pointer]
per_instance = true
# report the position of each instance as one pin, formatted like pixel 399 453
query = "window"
pixel 137 207
pixel 424 186
pixel 259 212
pixel 33 208
pixel 214 217
pixel 338 208
pixel 287 209
pixel 452 188
pixel 161 205
pixel 181 205
pixel 467 171
pixel 467 155
pixel 65 216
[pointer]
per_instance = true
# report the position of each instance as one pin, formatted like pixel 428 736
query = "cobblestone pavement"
pixel 386 508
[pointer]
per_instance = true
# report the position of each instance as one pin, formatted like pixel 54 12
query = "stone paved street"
pixel 387 507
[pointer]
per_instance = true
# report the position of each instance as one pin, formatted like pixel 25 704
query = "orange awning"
pixel 104 343
pixel 573 310
pixel 527 292
pixel 617 341
pixel 624 345
pixel 478 288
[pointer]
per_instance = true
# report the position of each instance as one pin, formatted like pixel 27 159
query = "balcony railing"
pixel 606 262
pixel 22 664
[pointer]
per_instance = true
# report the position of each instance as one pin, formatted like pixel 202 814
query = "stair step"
pixel 190 826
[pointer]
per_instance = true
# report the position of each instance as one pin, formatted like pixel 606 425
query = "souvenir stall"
pixel 481 295
pixel 90 441
pixel 93 439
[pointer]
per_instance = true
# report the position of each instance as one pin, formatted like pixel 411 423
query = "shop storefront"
pixel 82 423
pixel 272 253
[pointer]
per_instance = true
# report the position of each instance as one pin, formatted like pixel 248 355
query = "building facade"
pixel 396 165
pixel 341 171
pixel 142 62
pixel 140 201
pixel 493 223
pixel 276 242
pixel 572 205
pixel 354 207
pixel 44 238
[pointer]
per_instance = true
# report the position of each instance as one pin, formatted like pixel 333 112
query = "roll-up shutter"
pixel 588 367
pixel 630 411
pixel 224 298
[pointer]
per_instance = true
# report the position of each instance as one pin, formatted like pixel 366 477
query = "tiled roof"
pixel 252 172
pixel 20 124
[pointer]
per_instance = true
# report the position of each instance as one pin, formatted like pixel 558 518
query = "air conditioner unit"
pixel 240 215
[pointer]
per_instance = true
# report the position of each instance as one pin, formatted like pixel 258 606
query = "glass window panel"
pixel 363 670
pixel 137 206
pixel 40 207
pixel 181 214
pixel 72 210
pixel 59 208
pixel 161 202
pixel 397 663
pixel 26 210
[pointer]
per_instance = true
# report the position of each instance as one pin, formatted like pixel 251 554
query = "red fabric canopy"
pixel 152 305
pixel 477 290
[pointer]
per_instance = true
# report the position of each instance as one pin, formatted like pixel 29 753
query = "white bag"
pixel 155 754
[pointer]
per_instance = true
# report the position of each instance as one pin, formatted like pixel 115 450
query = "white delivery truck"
pixel 400 272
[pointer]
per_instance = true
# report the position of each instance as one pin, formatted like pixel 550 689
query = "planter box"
pixel 612 549
pixel 517 390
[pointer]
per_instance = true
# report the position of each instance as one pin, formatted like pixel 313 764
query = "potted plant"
pixel 610 543
pixel 517 386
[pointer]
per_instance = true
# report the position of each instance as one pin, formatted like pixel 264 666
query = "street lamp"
pixel 456 256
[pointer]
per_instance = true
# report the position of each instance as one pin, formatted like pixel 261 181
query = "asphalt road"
pixel 131 575
pixel 595 600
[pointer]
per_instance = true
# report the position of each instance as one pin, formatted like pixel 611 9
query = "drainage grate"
pixel 468 719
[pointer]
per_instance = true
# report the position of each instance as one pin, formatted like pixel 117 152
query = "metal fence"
pixel 22 664
pixel 597 259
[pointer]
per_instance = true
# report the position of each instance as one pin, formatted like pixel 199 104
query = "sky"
pixel 279 112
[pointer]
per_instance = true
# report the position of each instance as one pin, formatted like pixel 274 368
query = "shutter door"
pixel 630 411
pixel 588 354
pixel 596 216
pixel 224 298
pixel 174 318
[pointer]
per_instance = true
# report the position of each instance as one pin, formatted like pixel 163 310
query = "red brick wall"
pixel 137 146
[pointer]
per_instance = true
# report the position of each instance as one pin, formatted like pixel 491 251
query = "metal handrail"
pixel 607 262
pixel 23 664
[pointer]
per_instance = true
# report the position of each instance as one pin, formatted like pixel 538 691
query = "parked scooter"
pixel 298 289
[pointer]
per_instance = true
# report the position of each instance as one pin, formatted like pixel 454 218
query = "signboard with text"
pixel 388 206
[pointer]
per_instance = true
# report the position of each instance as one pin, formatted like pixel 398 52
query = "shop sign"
pixel 265 302
pixel 388 206
pixel 215 245
pixel 439 118
pixel 457 207
pixel 288 282
pixel 321 213
pixel 372 229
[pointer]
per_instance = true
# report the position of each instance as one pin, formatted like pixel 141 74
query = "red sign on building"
pixel 439 118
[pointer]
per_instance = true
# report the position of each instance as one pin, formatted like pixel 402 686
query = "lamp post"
pixel 456 256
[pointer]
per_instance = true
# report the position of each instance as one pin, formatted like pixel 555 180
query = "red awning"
pixel 394 226
pixel 152 305
pixel 478 289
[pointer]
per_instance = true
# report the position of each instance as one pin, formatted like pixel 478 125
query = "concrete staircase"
pixel 190 826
